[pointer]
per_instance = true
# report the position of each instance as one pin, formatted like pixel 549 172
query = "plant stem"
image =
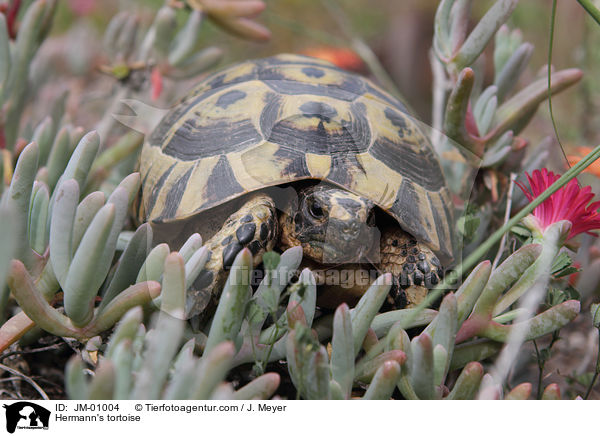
pixel 596 371
pixel 27 379
pixel 594 12
pixel 13 329
pixel 497 235
pixel 549 68
pixel 476 255
pixel 540 363
pixel 509 195
pixel 441 86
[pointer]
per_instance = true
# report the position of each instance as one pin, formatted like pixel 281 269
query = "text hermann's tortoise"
pixel 368 188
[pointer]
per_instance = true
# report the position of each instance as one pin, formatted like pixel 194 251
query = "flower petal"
pixel 571 203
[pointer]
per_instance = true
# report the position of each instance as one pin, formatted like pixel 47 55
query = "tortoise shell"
pixel 288 118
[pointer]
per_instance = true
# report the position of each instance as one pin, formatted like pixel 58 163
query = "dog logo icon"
pixel 26 415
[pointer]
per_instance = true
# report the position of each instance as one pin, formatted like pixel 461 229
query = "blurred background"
pixel 399 33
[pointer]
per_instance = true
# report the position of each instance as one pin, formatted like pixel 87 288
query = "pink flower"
pixel 571 203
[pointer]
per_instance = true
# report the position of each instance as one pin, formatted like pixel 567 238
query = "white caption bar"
pixel 337 418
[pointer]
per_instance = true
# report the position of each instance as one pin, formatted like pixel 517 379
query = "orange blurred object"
pixel 594 168
pixel 342 57
pixel 156 83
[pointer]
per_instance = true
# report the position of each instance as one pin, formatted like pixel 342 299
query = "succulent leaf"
pixel 173 286
pixel 83 281
pixel 506 78
pixel 34 305
pixel 61 226
pixel 19 195
pixel 4 55
pixel 102 387
pixel 342 350
pixel 80 162
pixel 519 392
pixel 58 158
pixel 75 380
pixel 43 136
pixel 211 370
pixel 515 113
pixel 367 307
pixel 474 351
pixel 129 263
pixel 503 276
pixel 38 217
pixel 483 32
pixel 468 382
pixel 408 318
pixel 195 265
pixel 191 245
pixel 139 294
pixel 123 361
pixel 9 236
pixel 126 329
pixel 470 290
pixel 165 25
pixel 153 266
pixel 84 214
pixel 160 349
pixel 421 367
pixel 186 39
pixel 232 303
pixel 261 388
pixel 384 382
pixel 367 370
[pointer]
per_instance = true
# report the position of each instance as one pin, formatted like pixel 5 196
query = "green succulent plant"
pixel 73 264
pixel 419 367
pixel 154 364
pixel 485 122
pixel 15 63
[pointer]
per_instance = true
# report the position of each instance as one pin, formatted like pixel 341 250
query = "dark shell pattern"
pixel 287 118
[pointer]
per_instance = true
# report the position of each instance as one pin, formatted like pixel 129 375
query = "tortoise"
pixel 366 186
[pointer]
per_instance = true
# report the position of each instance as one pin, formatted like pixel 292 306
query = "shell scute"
pixel 288 118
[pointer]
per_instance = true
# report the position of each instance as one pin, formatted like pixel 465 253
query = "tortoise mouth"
pixel 338 253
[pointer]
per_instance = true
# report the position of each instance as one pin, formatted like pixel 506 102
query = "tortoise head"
pixel 332 225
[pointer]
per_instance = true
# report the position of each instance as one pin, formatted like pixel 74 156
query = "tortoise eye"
pixel 316 210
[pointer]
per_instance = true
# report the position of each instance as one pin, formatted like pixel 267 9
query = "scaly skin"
pixel 415 268
pixel 253 226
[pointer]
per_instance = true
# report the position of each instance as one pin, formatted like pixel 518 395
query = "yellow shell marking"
pixel 290 118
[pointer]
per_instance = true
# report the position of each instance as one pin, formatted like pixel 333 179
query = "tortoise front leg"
pixel 416 269
pixel 253 226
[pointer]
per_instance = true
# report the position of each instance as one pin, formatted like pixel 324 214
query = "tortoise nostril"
pixel 351 229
